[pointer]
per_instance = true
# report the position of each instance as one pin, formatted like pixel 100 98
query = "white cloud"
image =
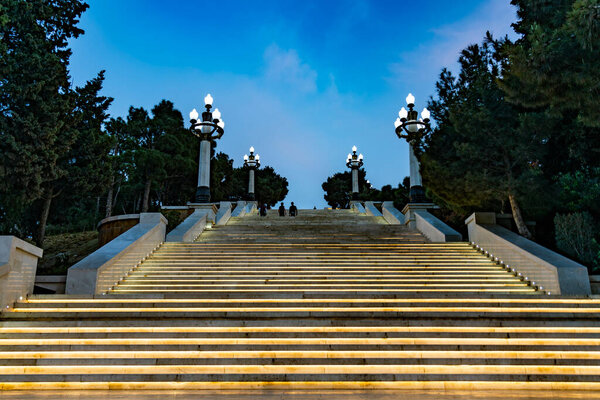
pixel 428 59
pixel 285 66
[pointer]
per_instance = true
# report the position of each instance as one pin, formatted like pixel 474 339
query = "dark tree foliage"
pixel 483 151
pixel 228 183
pixel 270 187
pixel 338 188
pixel 399 195
pixel 154 160
pixel 86 176
pixel 554 64
pixel 40 113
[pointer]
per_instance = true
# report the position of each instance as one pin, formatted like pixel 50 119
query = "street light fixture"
pixel 354 162
pixel 252 162
pixel 410 127
pixel 210 128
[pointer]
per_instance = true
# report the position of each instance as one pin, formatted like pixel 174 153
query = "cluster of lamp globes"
pixel 413 124
pixel 252 160
pixel 215 115
pixel 352 157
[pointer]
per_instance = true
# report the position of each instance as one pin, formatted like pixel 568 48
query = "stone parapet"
pixel 372 210
pixel 224 213
pixel 391 214
pixel 251 207
pixel 239 210
pixel 417 216
pixel 18 265
pixel 556 273
pixel 102 269
pixel 210 207
pixel 190 228
pixel 358 207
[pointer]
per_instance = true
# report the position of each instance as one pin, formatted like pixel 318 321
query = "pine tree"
pixel 36 102
pixel 483 150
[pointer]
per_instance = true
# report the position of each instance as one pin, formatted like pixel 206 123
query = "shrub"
pixel 575 237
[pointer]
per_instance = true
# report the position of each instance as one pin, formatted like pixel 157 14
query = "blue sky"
pixel 301 81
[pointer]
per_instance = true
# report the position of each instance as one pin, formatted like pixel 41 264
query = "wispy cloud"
pixel 285 66
pixel 428 58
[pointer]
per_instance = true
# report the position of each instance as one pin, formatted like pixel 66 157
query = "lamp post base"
pixel 202 195
pixel 354 196
pixel 251 197
pixel 417 194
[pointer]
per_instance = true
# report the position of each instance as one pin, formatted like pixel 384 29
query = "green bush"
pixel 575 237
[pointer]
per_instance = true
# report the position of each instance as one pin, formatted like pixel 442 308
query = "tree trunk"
pixel 41 231
pixel 146 195
pixel 516 212
pixel 109 198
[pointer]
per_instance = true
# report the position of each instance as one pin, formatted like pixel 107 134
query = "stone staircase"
pixel 329 299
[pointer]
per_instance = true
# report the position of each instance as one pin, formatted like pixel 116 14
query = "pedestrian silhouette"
pixel 263 210
pixel 282 210
pixel 293 210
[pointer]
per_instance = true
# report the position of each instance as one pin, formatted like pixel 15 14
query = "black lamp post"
pixel 252 162
pixel 410 127
pixel 354 162
pixel 210 128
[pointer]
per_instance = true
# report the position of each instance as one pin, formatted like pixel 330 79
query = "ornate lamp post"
pixel 354 162
pixel 210 128
pixel 252 162
pixel 410 127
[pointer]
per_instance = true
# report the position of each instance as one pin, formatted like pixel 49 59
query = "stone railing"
pixel 102 269
pixel 357 207
pixel 224 213
pixel 555 273
pixel 251 207
pixel 391 214
pixel 190 228
pixel 18 265
pixel 372 210
pixel 417 217
pixel 239 210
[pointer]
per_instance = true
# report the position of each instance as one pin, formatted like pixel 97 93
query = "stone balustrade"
pixel 417 217
pixel 372 210
pixel 239 210
pixel 102 269
pixel 391 214
pixel 224 213
pixel 18 265
pixel 190 228
pixel 557 274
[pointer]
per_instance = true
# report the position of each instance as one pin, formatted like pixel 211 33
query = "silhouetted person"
pixel 293 210
pixel 263 210
pixel 282 210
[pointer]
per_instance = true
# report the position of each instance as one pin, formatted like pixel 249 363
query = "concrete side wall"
pixel 555 273
pixel 18 265
pixel 190 228
pixel 434 229
pixel 251 207
pixel 391 214
pixel 358 207
pixel 223 214
pixel 102 269
pixel 371 209
pixel 239 210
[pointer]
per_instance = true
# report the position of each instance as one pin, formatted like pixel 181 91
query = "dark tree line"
pixel 65 163
pixel 338 190
pixel 518 128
